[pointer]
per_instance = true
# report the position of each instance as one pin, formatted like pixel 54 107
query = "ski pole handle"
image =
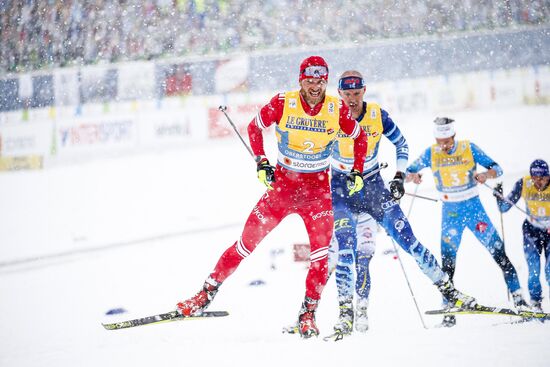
pixel 224 110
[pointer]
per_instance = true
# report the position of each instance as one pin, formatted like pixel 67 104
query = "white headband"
pixel 444 128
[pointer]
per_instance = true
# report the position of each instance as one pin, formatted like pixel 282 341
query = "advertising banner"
pixel 91 135
pixel 241 115
pixel 18 140
pixel 165 127
pixel 21 163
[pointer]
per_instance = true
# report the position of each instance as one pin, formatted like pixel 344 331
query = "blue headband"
pixel 539 168
pixel 351 82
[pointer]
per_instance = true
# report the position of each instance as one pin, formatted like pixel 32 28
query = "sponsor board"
pixel 87 136
pixel 156 129
pixel 30 162
pixel 241 115
pixel 19 140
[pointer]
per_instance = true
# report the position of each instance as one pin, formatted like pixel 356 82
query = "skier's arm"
pixel 493 169
pixel 352 128
pixel 513 197
pixel 418 165
pixel 268 115
pixel 392 132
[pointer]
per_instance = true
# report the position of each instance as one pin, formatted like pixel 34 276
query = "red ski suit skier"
pixel 300 187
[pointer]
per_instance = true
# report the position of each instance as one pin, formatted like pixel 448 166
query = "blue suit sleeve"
pixel 513 196
pixel 392 132
pixel 421 162
pixel 484 160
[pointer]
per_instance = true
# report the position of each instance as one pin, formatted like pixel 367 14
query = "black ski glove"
pixel 397 185
pixel 498 190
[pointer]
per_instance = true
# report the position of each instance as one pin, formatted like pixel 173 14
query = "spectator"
pixel 47 33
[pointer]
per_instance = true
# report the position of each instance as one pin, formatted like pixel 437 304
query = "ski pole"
pixel 505 199
pixel 503 240
pixel 403 267
pixel 408 283
pixel 224 110
pixel 415 195
pixel 373 172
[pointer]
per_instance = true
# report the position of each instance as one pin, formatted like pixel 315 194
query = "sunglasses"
pixel 315 72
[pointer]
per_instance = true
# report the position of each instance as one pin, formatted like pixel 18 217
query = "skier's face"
pixel 540 182
pixel 313 90
pixel 446 144
pixel 354 99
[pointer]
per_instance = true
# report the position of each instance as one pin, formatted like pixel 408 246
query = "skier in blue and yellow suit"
pixel 535 191
pixel 374 199
pixel 454 165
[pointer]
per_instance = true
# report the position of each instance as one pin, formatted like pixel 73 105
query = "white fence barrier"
pixel 29 139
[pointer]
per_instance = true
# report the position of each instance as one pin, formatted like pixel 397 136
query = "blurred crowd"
pixel 37 34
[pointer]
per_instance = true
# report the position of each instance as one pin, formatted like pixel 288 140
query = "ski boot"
pixel 345 320
pixel 454 297
pixel 361 318
pixel 306 319
pixel 519 302
pixel 536 306
pixel 448 321
pixel 200 301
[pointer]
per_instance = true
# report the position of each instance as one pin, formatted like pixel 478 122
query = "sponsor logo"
pixel 341 223
pixel 399 225
pixel 259 215
pixel 481 227
pixel 309 165
pixel 451 161
pixel 305 123
pixel 322 214
pixel 373 114
pixel 331 107
pixel 367 130
pixel 330 131
pixel 101 133
pixel 292 103
pixel 21 163
pixel 388 204
pixel 14 144
pixel 170 130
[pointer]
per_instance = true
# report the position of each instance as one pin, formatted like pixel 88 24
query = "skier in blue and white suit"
pixel 375 199
pixel 454 167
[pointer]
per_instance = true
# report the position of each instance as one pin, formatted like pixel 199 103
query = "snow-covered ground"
pixel 147 229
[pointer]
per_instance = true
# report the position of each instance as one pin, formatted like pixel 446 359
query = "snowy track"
pixel 164 223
